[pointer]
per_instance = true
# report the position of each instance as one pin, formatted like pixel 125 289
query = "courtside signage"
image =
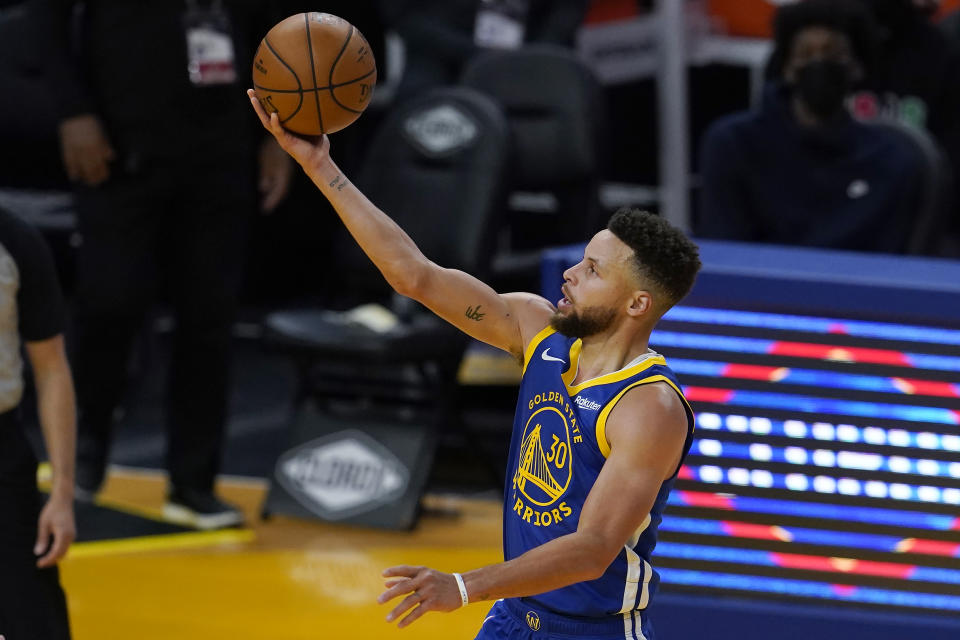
pixel 342 475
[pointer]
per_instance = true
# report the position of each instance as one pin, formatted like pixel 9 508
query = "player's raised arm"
pixel 505 321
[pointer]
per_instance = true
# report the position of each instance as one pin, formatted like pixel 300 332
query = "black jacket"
pixel 847 185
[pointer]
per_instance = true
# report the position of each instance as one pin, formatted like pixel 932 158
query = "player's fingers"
pixel 398 589
pixel 403 570
pixel 258 108
pixel 266 119
pixel 416 613
pixel 273 125
pixel 278 131
pixel 405 605
pixel 255 103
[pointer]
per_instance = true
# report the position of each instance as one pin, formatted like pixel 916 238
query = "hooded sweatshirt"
pixel 842 185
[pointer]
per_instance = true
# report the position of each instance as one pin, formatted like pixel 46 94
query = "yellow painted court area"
pixel 282 579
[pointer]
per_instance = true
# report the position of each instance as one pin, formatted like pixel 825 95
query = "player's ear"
pixel 641 302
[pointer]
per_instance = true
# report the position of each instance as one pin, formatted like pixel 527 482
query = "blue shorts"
pixel 514 619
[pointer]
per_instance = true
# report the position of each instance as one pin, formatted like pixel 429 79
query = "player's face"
pixel 597 289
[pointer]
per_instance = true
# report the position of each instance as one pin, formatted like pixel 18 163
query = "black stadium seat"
pixel 554 106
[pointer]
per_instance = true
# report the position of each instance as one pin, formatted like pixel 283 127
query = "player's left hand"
pixel 428 589
pixel 56 521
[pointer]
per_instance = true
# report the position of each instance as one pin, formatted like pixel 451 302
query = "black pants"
pixel 32 604
pixel 181 229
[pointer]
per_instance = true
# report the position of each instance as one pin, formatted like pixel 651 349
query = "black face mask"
pixel 822 86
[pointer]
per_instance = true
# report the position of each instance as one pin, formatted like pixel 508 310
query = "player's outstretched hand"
pixel 306 151
pixel 428 589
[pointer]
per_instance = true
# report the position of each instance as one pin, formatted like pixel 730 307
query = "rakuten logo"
pixel 585 403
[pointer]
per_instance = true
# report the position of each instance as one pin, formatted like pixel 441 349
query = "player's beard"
pixel 589 322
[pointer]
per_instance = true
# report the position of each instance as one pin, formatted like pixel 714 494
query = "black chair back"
pixel 554 106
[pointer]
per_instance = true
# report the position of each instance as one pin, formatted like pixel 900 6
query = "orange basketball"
pixel 316 71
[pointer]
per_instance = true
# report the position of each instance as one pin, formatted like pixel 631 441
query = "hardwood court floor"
pixel 282 579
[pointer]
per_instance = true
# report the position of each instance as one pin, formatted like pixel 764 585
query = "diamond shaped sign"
pixel 342 474
pixel 440 131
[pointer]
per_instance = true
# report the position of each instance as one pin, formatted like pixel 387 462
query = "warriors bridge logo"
pixel 545 460
pixel 544 471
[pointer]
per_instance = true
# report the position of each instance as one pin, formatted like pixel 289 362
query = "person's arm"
pixel 57 412
pixel 506 321
pixel 41 313
pixel 84 144
pixel 646 432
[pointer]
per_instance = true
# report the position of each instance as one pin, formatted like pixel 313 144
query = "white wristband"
pixel 463 589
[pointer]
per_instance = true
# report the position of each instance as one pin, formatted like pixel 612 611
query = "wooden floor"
pixel 283 579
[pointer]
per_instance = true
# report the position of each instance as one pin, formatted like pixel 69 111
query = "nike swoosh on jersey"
pixel 546 356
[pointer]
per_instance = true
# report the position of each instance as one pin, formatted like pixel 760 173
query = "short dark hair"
pixel 849 17
pixel 663 254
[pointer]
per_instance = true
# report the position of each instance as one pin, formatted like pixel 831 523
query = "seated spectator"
pixel 801 170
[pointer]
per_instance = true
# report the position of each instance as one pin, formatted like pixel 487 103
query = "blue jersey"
pixel 557 450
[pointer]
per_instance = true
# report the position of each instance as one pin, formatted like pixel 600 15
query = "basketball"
pixel 316 71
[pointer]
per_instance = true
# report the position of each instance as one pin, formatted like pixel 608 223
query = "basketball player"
pixel 601 426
